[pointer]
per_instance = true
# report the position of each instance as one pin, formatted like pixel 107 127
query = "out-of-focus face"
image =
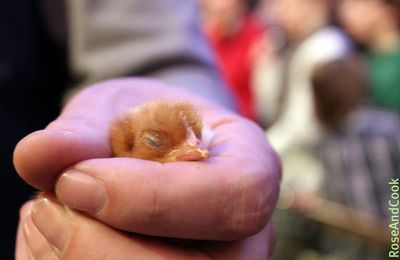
pixel 291 14
pixel 221 17
pixel 221 8
pixel 361 17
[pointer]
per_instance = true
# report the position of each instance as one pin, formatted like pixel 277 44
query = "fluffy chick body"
pixel 160 131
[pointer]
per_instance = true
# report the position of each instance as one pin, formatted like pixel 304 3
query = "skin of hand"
pixel 72 235
pixel 229 196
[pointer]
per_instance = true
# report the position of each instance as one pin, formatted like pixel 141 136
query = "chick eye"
pixel 153 142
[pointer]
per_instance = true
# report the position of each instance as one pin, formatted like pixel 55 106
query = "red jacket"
pixel 234 55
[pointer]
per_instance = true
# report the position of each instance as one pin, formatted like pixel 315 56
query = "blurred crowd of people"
pixel 323 78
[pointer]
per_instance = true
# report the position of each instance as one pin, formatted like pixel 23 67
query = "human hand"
pixel 230 196
pixel 72 235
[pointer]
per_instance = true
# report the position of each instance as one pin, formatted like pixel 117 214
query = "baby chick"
pixel 159 131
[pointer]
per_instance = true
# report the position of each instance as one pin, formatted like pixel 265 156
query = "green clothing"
pixel 384 77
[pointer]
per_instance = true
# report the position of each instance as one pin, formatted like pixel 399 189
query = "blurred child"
pixel 233 32
pixel 375 24
pixel 360 153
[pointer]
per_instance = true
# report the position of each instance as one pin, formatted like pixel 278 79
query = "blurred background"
pixel 322 77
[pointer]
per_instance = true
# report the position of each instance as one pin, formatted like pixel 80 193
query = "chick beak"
pixel 192 149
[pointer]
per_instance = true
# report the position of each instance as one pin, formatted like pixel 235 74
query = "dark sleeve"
pixel 155 38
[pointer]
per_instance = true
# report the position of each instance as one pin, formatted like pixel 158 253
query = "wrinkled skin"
pixel 229 198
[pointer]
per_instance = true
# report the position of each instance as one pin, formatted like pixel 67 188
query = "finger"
pixel 73 137
pixel 38 157
pixel 232 194
pixel 89 239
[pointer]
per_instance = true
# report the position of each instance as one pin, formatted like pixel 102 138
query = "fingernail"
pixel 52 221
pixel 81 191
